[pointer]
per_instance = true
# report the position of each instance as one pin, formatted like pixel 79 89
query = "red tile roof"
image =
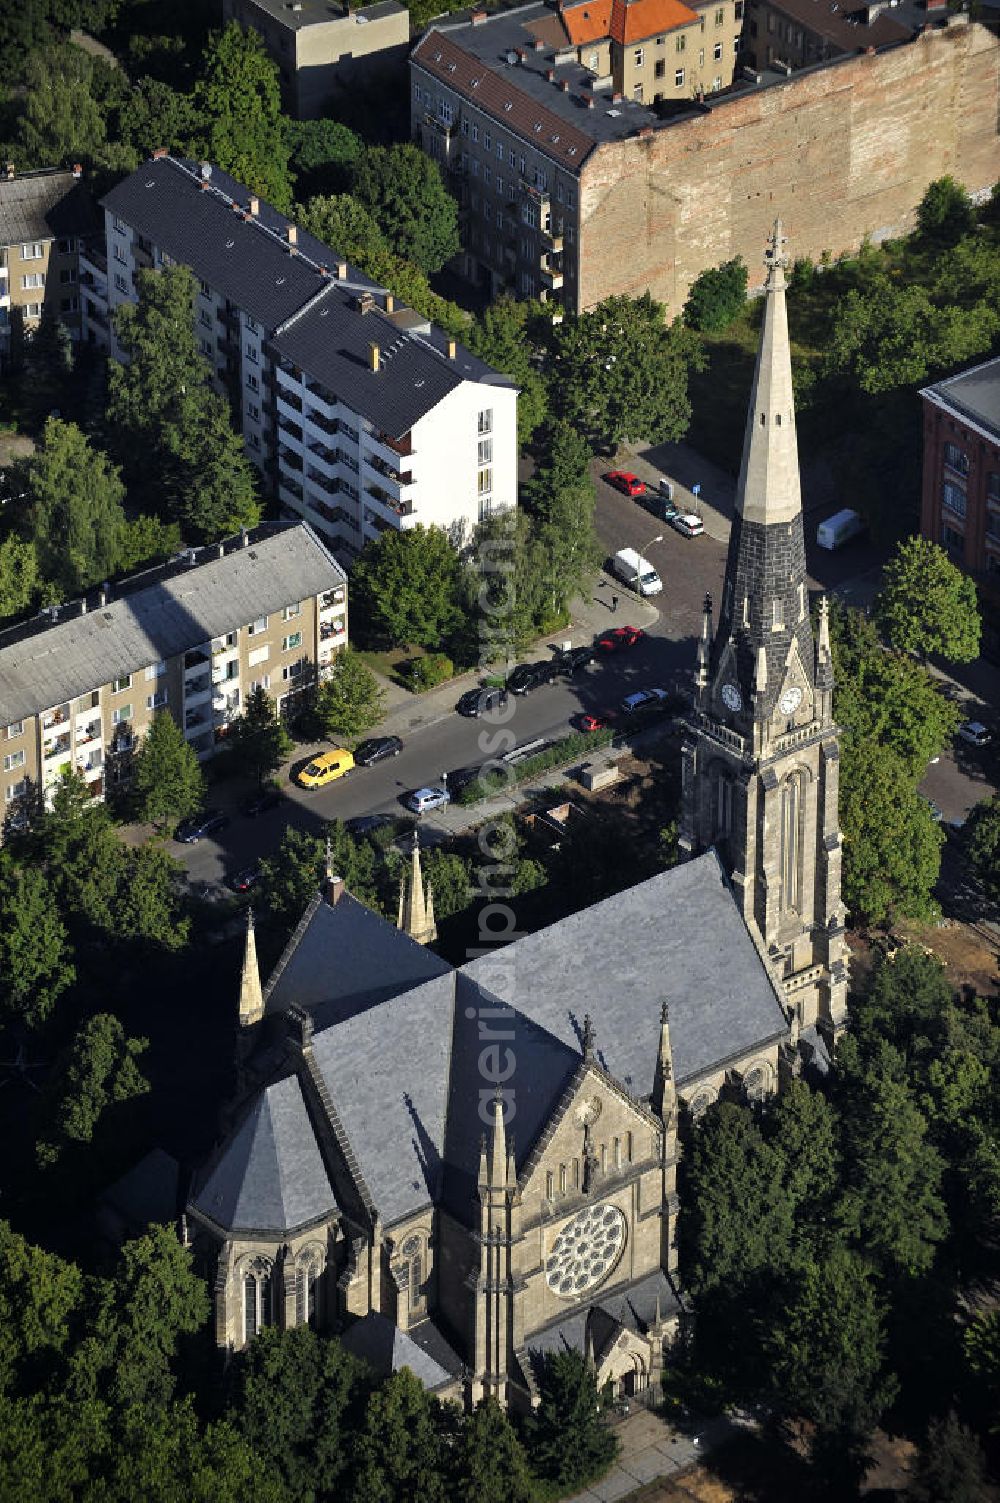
pixel 587 22
pixel 637 20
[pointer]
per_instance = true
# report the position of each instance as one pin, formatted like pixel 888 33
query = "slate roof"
pixel 269 1175
pixel 973 394
pixel 44 206
pixel 158 614
pixel 678 936
pixel 380 1343
pixel 632 1308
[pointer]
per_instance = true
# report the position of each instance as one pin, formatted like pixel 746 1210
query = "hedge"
pixel 559 754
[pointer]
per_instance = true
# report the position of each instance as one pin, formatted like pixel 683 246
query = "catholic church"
pixel 461 1170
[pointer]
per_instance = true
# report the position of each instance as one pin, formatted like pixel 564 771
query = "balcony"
pixel 391 450
pixel 199 719
pixel 90 762
pixel 290 491
pixel 198 656
pixel 194 688
pixel 330 631
pixel 315 419
pixel 288 401
pixel 289 458
pixel 381 498
pixel 60 747
pixel 57 716
pixel 551 276
pixel 553 239
pixel 323 453
pixel 329 484
pixel 85 734
pixel 388 471
pixel 333 599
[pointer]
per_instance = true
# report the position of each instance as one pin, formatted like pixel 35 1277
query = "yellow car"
pixel 325 768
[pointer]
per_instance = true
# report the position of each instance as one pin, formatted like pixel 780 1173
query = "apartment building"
pixel 80 683
pixel 960 505
pixel 793 34
pixel 324 50
pixel 359 413
pixel 46 220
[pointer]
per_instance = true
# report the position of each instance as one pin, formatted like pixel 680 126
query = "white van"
pixel 637 572
pixel 839 528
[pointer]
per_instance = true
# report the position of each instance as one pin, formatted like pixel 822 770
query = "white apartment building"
pixel 359 413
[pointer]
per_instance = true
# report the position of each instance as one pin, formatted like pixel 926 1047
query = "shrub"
pixel 557 755
pixel 428 672
pixel 717 297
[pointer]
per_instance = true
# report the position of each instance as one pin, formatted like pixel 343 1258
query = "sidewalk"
pixel 653 1449
pixel 406 712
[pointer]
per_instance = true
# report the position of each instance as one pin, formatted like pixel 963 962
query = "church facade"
pixel 461 1170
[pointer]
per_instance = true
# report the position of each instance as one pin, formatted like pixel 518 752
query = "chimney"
pixel 550 75
pixel 539 45
pixel 588 100
pixel 617 98
pixel 293 234
pixel 244 538
pixel 83 606
pixel 452 347
pixel 342 271
pixel 159 153
pixel 254 206
pixel 564 85
pixel 522 54
pixel 222 550
pixel 334 888
pixel 390 303
pixel 78 167
pixel 645 133
pixel 374 355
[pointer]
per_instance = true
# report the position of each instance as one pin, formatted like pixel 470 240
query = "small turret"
pixel 498 1149
pixel 251 994
pixel 704 652
pixel 664 1100
pixel 416 903
pixel 588 1036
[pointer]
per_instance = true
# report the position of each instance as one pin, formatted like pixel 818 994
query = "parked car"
pixel 242 881
pixel 376 749
pixel 481 701
pixel 528 676
pixel 624 480
pixel 367 824
pixel 643 699
pixel 422 800
pixel 326 768
pixel 619 638
pixel 975 733
pixel 191 830
pixel 259 802
pixel 595 720
pixel 573 660
pixel 461 778
pixel 687 523
pixel 663 507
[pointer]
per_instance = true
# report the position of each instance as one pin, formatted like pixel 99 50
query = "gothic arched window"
pixel 307 1289
pixel 723 805
pixel 411 1275
pixel 791 842
pixel 257 1298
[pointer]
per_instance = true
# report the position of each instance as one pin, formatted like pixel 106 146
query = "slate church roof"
pixel 397 1039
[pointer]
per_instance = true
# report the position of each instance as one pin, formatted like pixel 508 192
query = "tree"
pixel 405 191
pixel 41 1298
pixel 561 497
pixel 346 225
pixel 881 338
pixel 950 1467
pixel 19 580
pixel 404 586
pixel 147 540
pixel 48 363
pixel 238 99
pixel 717 297
pixel 324 154
pixel 945 213
pixel 892 847
pixel 510 336
pixel 259 739
pixel 61 121
pixel 927 605
pixel 167 779
pixel 983 828
pixel 825 1347
pixel 290 879
pixel 621 371
pixel 490 1464
pixel 449 877
pixel 293 1397
pixel 36 962
pixel 157 115
pixel 567 1441
pixel 214 485
pixel 981 1350
pixel 98 1070
pixel 350 700
pixel 74 514
pixel 398 1453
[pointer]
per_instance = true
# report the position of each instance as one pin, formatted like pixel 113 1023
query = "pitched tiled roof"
pixel 637 20
pixel 380 1343
pixel 826 19
pixel 587 22
pixel 44 206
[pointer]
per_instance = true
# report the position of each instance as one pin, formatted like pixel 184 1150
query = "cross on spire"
pixel 775 254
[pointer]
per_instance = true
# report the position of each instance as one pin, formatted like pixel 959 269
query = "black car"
pixel 367 824
pixel 190 831
pixel 481 701
pixel 528 676
pixel 376 750
pixel 573 660
pixel 242 881
pixel 261 801
pixel 461 778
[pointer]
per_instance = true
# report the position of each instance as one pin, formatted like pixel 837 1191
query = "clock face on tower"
pixel 731 697
pixel 790 701
pixel 585 1251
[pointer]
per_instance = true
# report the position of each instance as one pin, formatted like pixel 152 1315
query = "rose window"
pixel 585 1251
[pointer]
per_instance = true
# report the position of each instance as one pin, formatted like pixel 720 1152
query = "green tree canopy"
pixel 983 828
pixel 950 1467
pixel 74 514
pixel 717 297
pixel 510 335
pixel 19 580
pixel 167 779
pixel 403 188
pixel 490 1464
pixel 36 961
pixel 259 740
pixel 945 213
pixel 620 371
pixel 98 1069
pixel 399 1456
pixel 349 701
pixel 561 498
pixel 567 1441
pixel 892 847
pixel 927 605
pixel 346 225
pixel 324 154
pixel 41 1298
pixel 404 587
pixel 239 103
pixel 449 877
pixel 61 121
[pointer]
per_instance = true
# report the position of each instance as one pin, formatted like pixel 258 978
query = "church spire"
pixel 704 649
pixel 251 995
pixel 416 904
pixel 498 1147
pixel 664 1087
pixel 768 489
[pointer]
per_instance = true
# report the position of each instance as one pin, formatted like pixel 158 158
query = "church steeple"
pixel 416 903
pixel 768 489
pixel 251 995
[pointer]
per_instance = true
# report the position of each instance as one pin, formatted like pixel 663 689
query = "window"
pixel 638 57
pixel 486 420
pixel 13 760
pixel 251 325
pixel 701 57
pixel 33 280
pixel 681 42
pixel 499 151
pixel 511 159
pixel 487 175
pixel 549 1185
pixel 257 656
pixel 119 227
pixel 16 790
pixel 487 140
pixel 32 310
pixel 465 127
pixel 156 701
pixel 256 1298
pixel 289 644
pixel 121 282
pixel 952 539
pixel 205 346
pixel 205 290
pixel 121 715
pixel 717 52
pixel 252 383
pixel 562 1179
pixel 253 412
pixel 500 183
pixel 291 611
pixel 628 1147
pixel 256 627
pixel 529 214
pixel 260 683
pixel 618 1153
pixel 956 459
pixel 253 439
pixel 660 68
pixel 637 93
pixel 68 275
pixel 484 482
pixel 679 79
pixel 155 671
pixel 953 496
pixel 252 354
pixel 485 455
pixel 15 729
pixel 32 252
pixel 993 486
pixel 720 16
pixel 120 255
pixel 445 111
pixel 992 525
pixel 738 11
pixel 293 670
pixel 791 854
pixel 475 167
pixel 205 318
pixel 716 85
pixel 777 615
pixel 306 1284
pixel 118 685
pixel 475 132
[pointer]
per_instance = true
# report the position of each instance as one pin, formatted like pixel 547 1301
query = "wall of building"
pixel 842 152
pixel 961 491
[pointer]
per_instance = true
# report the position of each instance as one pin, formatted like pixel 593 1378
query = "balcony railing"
pixel 387 471
pixel 58 748
pixel 289 457
pixel 398 508
pixel 197 656
pixel 332 599
pixel 55 717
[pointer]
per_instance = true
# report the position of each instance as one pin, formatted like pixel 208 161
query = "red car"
pixel 619 637
pixel 622 480
pixel 598 722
